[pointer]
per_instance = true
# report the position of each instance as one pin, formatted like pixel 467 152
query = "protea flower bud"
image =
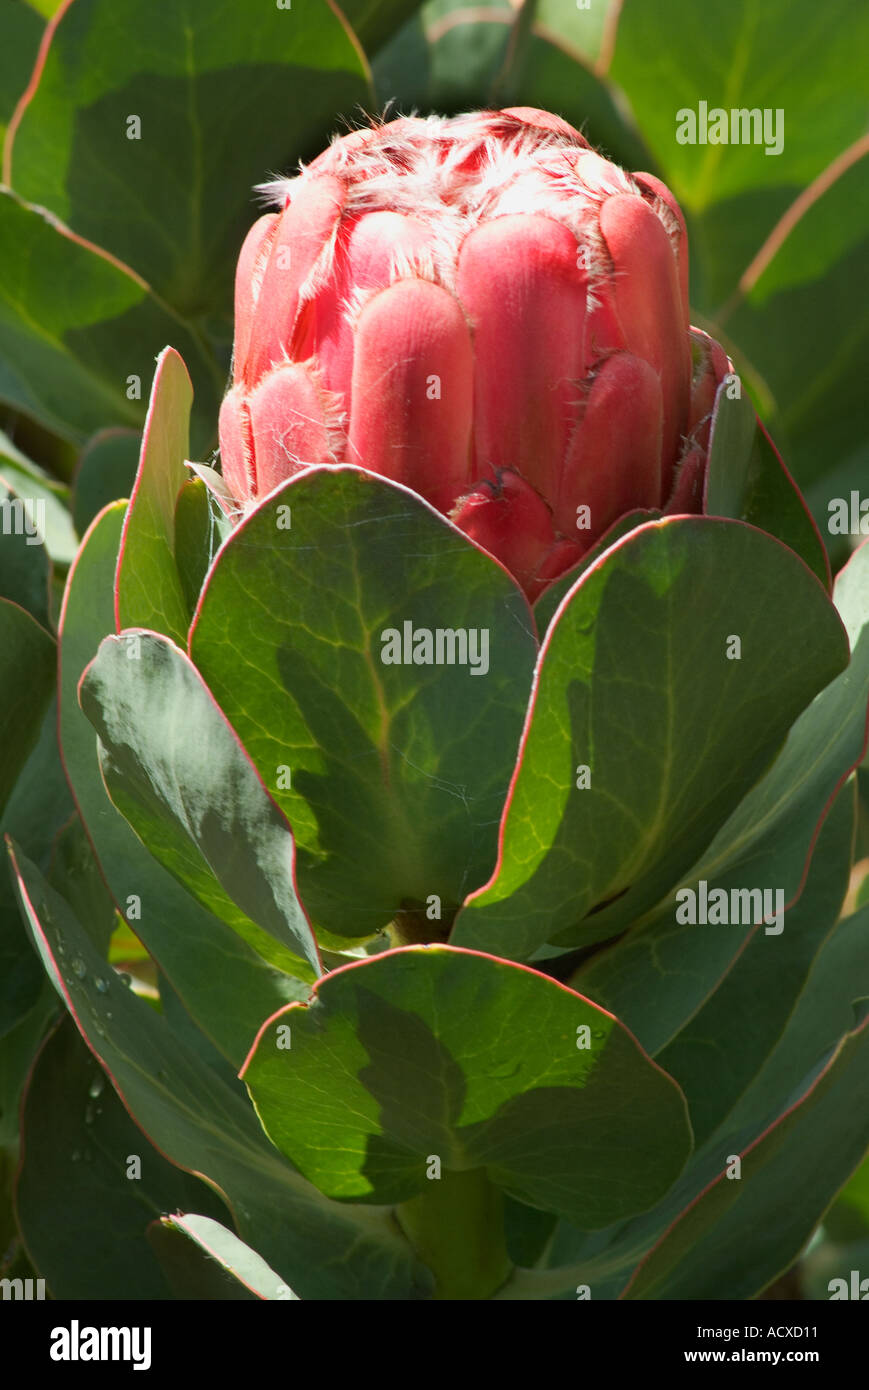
pixel 486 310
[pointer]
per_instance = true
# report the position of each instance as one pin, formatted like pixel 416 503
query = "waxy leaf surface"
pixel 660 974
pixel 171 108
pixel 640 682
pixel 176 771
pixel 74 1192
pixel 201 1124
pixel 148 590
pixel 203 1259
pixel 429 1050
pixel 392 776
pixel 227 986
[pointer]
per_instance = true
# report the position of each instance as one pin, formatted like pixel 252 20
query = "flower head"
pixel 484 309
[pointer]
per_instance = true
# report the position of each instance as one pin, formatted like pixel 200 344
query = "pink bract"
pixel 484 309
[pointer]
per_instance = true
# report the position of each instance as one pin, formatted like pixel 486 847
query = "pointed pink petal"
pixel 563 555
pixel 690 474
pixel 248 278
pixel 288 423
pixel 236 445
pixel 365 254
pixel 713 367
pixel 412 390
pixel 614 460
pixel 304 229
pixel 525 295
pixel 603 332
pixel 659 189
pixel 544 120
pixel 648 302
pixel 510 520
pixel 331 159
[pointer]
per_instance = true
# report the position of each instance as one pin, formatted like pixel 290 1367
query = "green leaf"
pixel 778 242
pixel 148 590
pixel 582 30
pixel 398 771
pixel 18 1046
pixel 672 747
pixel 801 321
pixel 22 31
pixel 75 872
pixel 835 486
pixel 192 1037
pixel 527 1231
pixel 555 80
pixel 223 94
pixel 67 359
pixel 401 70
pixel 47 8
pixel 196 802
pixel 37 806
pixel 27 675
pixel 826 1010
pixel 787 55
pixel 434 1051
pixel 322 1250
pixel 660 975
pixel 203 1259
pixel 20 976
pixel 849 1216
pixel 44 500
pixel 549 600
pixel 25 568
pixel 106 471
pixel 466 51
pixel 473 63
pixel 374 20
pixel 789 1177
pixel 225 984
pixel 718 1053
pixel 832 1003
pixel 75 1189
pixel 200 528
pixel 40 802
pixel 747 480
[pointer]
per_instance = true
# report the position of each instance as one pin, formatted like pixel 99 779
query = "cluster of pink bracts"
pixel 486 310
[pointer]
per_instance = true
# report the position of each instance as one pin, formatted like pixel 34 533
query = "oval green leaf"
pixel 431 1052
pixel 389 752
pixel 177 773
pixel 649 724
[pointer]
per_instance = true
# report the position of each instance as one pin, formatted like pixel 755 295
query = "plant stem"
pixel 457 1228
